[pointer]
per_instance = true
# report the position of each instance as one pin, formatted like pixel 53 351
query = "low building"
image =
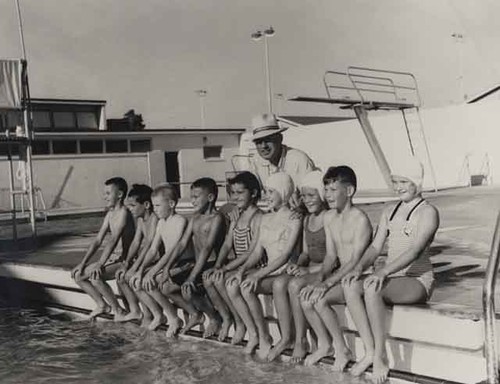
pixel 73 155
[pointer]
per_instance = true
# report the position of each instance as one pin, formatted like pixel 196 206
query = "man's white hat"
pixel 265 125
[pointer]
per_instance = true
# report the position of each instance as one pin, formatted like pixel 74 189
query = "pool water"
pixel 40 348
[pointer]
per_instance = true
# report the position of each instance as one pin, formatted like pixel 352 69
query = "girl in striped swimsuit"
pixel 245 220
pixel 406 277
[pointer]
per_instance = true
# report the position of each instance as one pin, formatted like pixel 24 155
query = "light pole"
pixel 459 41
pixel 202 93
pixel 256 36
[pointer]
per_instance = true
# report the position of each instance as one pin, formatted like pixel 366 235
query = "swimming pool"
pixel 39 348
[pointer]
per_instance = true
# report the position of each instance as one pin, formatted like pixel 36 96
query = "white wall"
pixel 77 182
pixel 452 133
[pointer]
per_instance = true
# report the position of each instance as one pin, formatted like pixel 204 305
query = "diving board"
pixel 367 89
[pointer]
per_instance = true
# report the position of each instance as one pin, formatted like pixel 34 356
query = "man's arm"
pixel 201 259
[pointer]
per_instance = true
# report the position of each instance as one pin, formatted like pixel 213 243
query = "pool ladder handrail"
pixel 490 341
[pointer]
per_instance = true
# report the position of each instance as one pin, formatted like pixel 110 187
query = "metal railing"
pixel 362 80
pixel 490 339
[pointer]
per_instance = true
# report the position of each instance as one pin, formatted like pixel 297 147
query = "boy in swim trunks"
pixel 348 234
pixel 140 205
pixel 169 231
pixel 206 231
pixel 407 276
pixel 120 224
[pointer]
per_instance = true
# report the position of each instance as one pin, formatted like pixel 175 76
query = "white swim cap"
pixel 282 183
pixel 314 180
pixel 410 168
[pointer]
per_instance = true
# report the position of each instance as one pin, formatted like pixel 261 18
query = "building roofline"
pixel 66 101
pixel 146 132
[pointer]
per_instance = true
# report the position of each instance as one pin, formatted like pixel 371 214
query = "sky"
pixel 152 55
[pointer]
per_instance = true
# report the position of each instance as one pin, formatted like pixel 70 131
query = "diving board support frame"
pixel 362 116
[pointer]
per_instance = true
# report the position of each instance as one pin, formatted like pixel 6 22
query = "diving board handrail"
pixel 489 307
pixel 353 72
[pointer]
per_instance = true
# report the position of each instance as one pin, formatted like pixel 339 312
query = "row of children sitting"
pixel 222 276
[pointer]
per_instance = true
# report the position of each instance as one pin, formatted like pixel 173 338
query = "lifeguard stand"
pixel 15 97
pixel 357 88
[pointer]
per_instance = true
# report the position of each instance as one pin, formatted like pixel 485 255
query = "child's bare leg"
pixel 152 305
pixel 239 325
pixel 324 343
pixel 174 322
pixel 301 345
pixel 173 292
pixel 329 317
pixel 282 305
pixel 108 294
pixel 401 290
pixel 131 299
pixel 203 304
pixel 89 289
pixel 220 306
pixel 354 299
pixel 234 293
pixel 265 340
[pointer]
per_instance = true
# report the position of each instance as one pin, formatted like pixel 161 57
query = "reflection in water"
pixel 37 348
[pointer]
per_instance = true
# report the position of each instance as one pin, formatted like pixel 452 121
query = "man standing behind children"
pixel 206 230
pixel 120 223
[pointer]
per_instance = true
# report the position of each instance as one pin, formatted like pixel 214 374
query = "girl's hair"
pixel 249 181
pixel 141 193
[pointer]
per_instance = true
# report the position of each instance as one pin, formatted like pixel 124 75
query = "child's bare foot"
pixel 193 321
pixel 174 327
pixel 155 323
pixel 224 329
pixel 341 360
pixel 299 351
pixel 213 327
pixel 128 317
pixel 277 350
pixel 253 341
pixel 323 350
pixel 99 310
pixel 380 371
pixel 146 319
pixel 265 344
pixel 239 333
pixel 362 365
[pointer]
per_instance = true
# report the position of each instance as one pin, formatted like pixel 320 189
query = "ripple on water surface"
pixel 36 348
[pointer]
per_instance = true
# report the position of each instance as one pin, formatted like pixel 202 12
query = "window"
pixel 41 119
pixel 91 146
pixel 87 120
pixel 62 147
pixel 4 149
pixel 140 145
pixel 64 120
pixel 41 147
pixel 116 146
pixel 212 152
